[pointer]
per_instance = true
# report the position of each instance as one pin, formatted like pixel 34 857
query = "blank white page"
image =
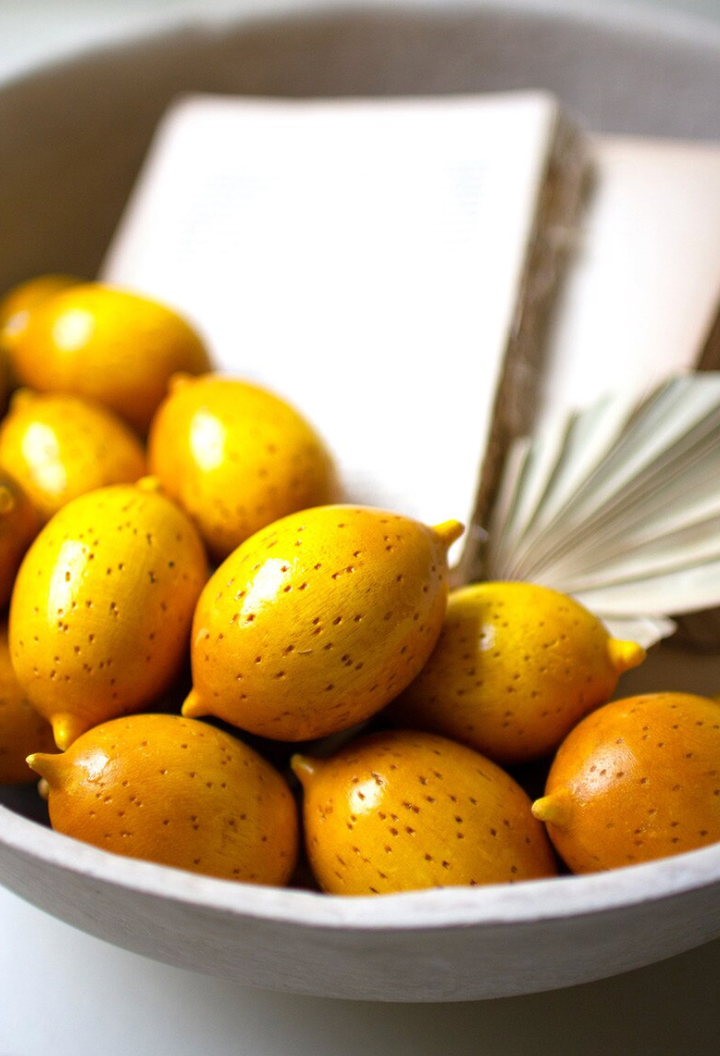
pixel 644 287
pixel 359 257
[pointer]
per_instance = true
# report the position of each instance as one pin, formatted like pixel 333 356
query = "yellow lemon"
pixel 515 667
pixel 22 728
pixel 19 524
pixel 59 447
pixel 109 344
pixel 20 302
pixel 102 606
pixel 316 622
pixel 236 457
pixel 639 779
pixel 177 792
pixel 399 811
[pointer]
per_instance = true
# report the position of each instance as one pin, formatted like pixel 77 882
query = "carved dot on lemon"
pixel 637 780
pixel 236 457
pixel 109 344
pixel 177 792
pixel 314 623
pixel 22 728
pixel 19 524
pixel 400 811
pixel 59 447
pixel 515 667
pixel 102 606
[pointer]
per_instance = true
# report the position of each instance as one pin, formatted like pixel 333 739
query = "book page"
pixel 359 257
pixel 644 287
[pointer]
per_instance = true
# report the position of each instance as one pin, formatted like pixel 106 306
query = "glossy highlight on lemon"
pixel 102 606
pixel 236 457
pixel 177 792
pixel 109 344
pixel 515 667
pixel 402 811
pixel 317 621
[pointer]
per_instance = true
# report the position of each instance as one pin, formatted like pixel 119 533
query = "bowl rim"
pixel 529 902
pixel 641 22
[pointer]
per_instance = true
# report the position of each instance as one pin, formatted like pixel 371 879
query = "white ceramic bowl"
pixel 73 136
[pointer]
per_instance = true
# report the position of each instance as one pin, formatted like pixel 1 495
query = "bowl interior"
pixel 74 136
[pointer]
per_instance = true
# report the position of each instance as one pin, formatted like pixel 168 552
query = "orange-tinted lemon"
pixel 515 667
pixel 316 622
pixel 102 606
pixel 109 344
pixel 177 792
pixel 19 524
pixel 22 728
pixel 236 457
pixel 59 447
pixel 399 811
pixel 639 779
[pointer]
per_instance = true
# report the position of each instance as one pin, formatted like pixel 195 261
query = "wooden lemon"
pixel 108 344
pixel 102 606
pixel 515 667
pixel 20 302
pixel 19 524
pixel 398 811
pixel 236 457
pixel 316 622
pixel 22 728
pixel 59 447
pixel 177 792
pixel 639 779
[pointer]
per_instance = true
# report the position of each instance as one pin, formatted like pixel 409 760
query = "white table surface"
pixel 65 993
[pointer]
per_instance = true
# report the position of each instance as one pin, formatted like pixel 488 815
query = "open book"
pixel 391 267
pixel 383 264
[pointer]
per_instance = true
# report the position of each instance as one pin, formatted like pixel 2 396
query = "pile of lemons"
pixel 214 663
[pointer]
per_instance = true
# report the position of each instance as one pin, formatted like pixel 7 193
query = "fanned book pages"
pixel 384 264
pixel 619 505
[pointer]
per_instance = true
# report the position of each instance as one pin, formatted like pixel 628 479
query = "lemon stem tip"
pixel 625 655
pixel 449 531
pixel 193 706
pixel 21 398
pixel 179 381
pixel 304 767
pixel 553 808
pixel 149 483
pixel 66 729
pixel 46 765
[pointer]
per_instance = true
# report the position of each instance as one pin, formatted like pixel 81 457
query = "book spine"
pixel 559 208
